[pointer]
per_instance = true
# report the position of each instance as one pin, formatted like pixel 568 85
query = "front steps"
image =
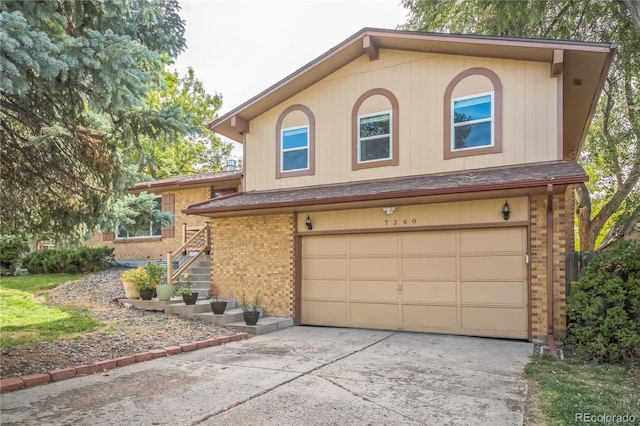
pixel 200 276
pixel 231 318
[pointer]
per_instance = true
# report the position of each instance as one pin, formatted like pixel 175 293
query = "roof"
pixel 583 67
pixel 200 179
pixel 494 179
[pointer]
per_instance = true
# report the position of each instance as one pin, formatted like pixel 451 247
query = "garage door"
pixel 471 282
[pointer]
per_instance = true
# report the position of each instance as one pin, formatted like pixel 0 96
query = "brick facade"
pixel 563 235
pixel 256 253
pixel 155 248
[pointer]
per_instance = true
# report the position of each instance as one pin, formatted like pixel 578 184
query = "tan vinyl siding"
pixel 418 80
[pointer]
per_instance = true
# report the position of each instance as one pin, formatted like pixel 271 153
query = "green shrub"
pixel 68 261
pixel 604 308
pixel 12 248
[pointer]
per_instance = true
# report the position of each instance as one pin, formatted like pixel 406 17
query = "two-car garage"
pixel 459 281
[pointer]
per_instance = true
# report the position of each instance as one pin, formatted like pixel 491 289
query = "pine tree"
pixel 74 78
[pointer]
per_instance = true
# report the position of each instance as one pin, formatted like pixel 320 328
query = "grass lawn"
pixel 24 318
pixel 571 392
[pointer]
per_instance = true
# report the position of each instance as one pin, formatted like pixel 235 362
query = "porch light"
pixel 308 223
pixel 506 211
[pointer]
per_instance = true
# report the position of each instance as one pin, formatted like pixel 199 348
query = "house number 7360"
pixel 396 222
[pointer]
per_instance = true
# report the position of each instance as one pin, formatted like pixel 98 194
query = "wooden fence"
pixel 576 262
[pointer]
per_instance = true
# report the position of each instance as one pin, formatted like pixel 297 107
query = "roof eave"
pixel 390 195
pixel 225 124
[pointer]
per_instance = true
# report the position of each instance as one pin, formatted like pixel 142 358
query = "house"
pixel 412 181
pixel 174 194
pixel 629 230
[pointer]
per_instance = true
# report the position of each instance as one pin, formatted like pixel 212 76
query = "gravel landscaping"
pixel 126 331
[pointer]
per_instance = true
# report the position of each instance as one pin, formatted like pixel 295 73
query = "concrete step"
pixel 202 311
pixel 230 315
pixel 199 270
pixel 199 278
pixel 264 325
pixel 189 311
pixel 151 305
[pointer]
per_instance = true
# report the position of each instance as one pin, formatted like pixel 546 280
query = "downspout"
pixel 550 337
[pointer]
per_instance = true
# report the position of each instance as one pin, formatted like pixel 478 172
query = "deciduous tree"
pixel 611 153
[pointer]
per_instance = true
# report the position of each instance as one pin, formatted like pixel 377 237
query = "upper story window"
pixel 374 137
pixel 374 123
pixel 295 149
pixel 295 142
pixel 472 122
pixel 473 114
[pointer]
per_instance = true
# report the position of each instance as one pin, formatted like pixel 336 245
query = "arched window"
pixel 473 115
pixel 374 130
pixel 295 142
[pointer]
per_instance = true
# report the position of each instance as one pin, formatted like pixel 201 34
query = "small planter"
pixel 147 294
pixel 251 318
pixel 164 291
pixel 218 306
pixel 190 299
pixel 129 290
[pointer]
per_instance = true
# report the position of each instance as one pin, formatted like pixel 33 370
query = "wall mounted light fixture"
pixel 308 223
pixel 388 210
pixel 506 211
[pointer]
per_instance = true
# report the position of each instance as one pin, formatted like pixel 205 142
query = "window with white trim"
pixel 294 151
pixel 374 137
pixel 472 122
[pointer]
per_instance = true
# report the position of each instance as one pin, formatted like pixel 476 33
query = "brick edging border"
pixel 16 383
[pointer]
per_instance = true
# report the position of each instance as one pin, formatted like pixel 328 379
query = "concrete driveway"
pixel 297 376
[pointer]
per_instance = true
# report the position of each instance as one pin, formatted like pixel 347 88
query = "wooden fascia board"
pixel 594 103
pixel 378 39
pixel 557 62
pixel 370 47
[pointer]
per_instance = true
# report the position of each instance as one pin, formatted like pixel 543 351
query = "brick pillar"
pixel 563 227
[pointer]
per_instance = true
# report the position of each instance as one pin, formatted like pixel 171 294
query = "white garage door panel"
pixel 501 240
pixel 327 245
pixel 492 292
pixel 507 322
pixel 386 291
pixel 458 281
pixel 326 289
pixel 377 268
pixel 420 291
pixel 327 269
pixel 373 313
pixel 379 244
pixel 429 268
pixel 496 267
pixel 325 313
pixel 433 242
pixel 428 318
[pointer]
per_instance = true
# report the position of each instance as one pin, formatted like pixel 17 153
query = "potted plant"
pixel 189 296
pixel 141 283
pixel 250 311
pixel 128 278
pixel 217 306
pixel 156 273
